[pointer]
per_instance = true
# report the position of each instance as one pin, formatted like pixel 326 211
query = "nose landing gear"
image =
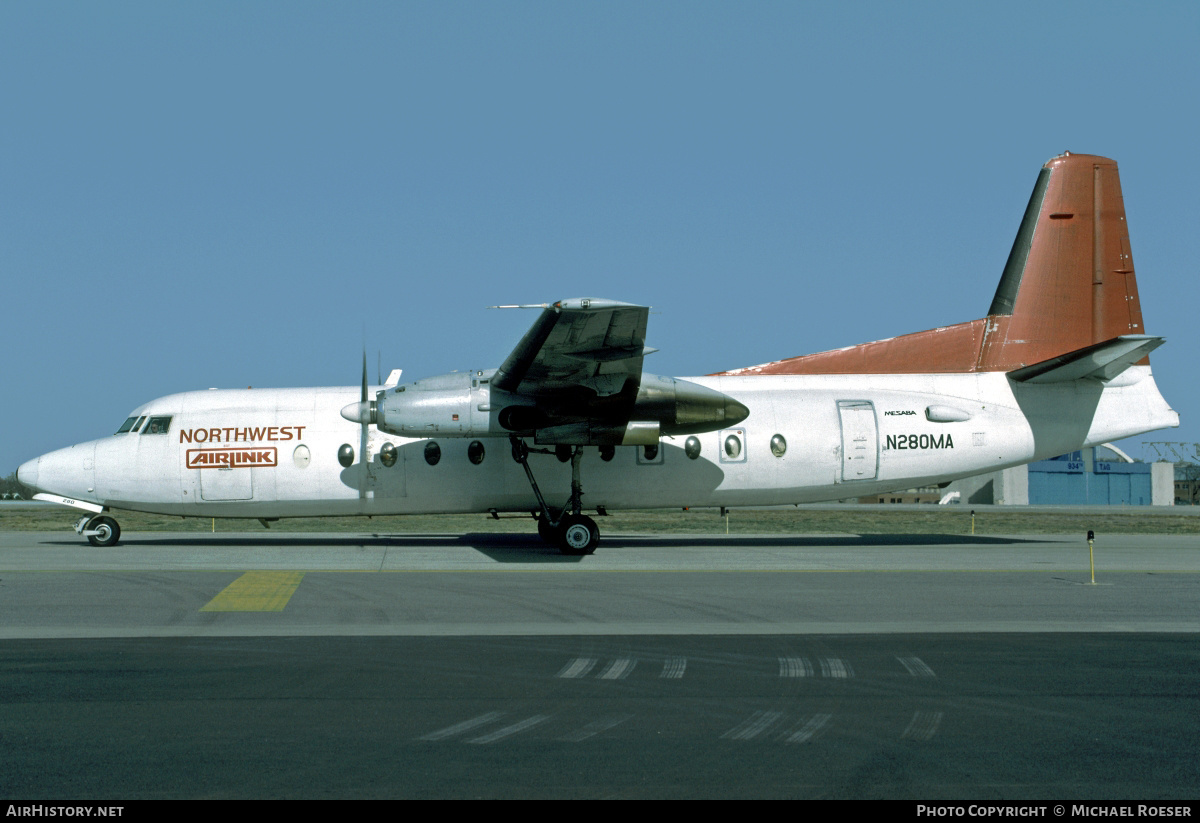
pixel 99 530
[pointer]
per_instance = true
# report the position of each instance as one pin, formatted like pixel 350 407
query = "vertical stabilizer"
pixel 1068 286
pixel 1069 281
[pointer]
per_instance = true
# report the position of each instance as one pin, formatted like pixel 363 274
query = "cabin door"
pixel 860 440
pixel 226 484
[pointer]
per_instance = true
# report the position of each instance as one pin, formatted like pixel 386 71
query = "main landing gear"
pixel 99 530
pixel 572 531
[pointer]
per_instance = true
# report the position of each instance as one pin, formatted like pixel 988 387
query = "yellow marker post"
pixel 1091 555
pixel 972 522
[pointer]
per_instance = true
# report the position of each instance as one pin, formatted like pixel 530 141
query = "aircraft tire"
pixel 109 534
pixel 547 532
pixel 578 535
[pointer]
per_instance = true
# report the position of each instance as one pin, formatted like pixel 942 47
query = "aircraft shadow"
pixel 528 548
pixel 515 548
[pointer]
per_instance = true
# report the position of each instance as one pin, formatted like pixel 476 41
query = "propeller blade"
pixel 366 416
pixel 364 386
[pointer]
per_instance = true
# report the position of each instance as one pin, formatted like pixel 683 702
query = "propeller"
pixel 364 410
pixel 366 418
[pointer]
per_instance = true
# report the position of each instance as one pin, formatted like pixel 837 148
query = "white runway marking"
pixel 618 669
pixel 810 729
pixel 923 726
pixel 520 726
pixel 916 667
pixel 674 667
pixel 753 726
pixel 464 726
pixel 579 667
pixel 833 667
pixel 794 667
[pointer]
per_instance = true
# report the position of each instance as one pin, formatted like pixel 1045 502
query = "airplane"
pixel 1058 363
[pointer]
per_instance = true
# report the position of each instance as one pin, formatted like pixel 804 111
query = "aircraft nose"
pixel 28 473
pixel 66 471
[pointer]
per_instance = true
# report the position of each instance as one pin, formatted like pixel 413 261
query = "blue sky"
pixel 232 194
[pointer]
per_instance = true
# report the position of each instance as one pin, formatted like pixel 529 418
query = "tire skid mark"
pixel 465 726
pixel 810 729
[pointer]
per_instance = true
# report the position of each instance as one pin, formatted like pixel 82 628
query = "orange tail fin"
pixel 1069 282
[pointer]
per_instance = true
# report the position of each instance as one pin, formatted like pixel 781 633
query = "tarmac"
pixel 481 665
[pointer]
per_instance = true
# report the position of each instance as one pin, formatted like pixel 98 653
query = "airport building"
pixel 1099 476
pixel 1187 484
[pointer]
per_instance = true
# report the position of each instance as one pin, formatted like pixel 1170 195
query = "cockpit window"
pixel 157 425
pixel 138 424
pixel 127 425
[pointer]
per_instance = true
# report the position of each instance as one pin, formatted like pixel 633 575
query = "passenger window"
pixel 733 446
pixel 778 445
pixel 433 453
pixel 475 452
pixel 157 425
pixel 650 455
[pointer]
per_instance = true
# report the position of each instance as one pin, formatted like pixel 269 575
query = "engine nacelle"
pixel 682 407
pixel 449 405
pixel 463 404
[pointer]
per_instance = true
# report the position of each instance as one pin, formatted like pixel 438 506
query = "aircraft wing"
pixel 584 343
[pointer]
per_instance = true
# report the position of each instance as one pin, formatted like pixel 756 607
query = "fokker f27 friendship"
pixel 570 422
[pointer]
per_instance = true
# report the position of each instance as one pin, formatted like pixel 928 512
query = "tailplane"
pixel 1103 361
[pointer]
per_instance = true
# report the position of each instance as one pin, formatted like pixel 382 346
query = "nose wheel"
pixel 100 531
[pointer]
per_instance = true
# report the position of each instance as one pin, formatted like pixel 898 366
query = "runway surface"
pixel 284 665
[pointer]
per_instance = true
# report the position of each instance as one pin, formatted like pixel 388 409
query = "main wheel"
pixel 107 531
pixel 578 534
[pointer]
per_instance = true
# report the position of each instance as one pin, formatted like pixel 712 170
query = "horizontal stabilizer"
pixel 1104 361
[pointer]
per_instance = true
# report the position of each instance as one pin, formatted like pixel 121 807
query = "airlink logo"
pixel 230 458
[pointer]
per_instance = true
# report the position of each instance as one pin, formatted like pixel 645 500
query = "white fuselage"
pixel 269 453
